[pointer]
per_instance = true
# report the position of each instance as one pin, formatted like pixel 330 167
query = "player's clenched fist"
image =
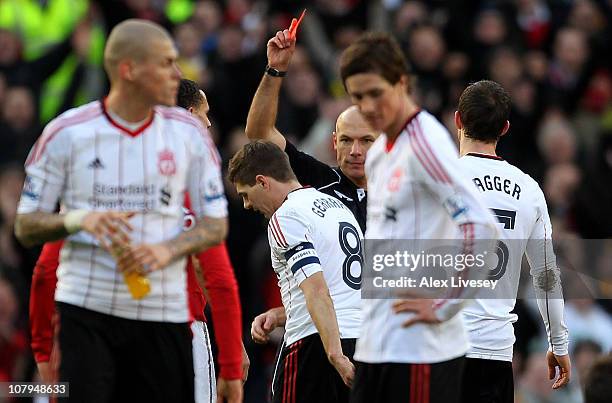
pixel 265 323
pixel 280 50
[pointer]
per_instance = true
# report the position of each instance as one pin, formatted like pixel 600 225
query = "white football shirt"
pixel 86 160
pixel 309 233
pixel 416 191
pixel 519 205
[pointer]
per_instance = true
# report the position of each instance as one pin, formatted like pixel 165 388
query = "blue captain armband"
pixel 301 255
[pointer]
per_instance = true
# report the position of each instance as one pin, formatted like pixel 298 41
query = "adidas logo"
pixel 96 164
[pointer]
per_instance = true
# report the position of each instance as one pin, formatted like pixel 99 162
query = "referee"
pixel 352 137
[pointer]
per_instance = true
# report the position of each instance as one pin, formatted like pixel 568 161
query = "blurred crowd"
pixel 552 56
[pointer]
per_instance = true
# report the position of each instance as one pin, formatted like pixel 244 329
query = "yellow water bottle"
pixel 138 284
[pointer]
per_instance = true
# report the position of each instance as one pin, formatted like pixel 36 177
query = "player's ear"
pixel 506 128
pixel 458 121
pixel 125 70
pixel 403 82
pixel 335 139
pixel 261 180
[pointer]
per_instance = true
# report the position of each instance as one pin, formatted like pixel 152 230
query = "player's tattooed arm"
pixel 107 227
pixel 36 228
pixel 151 257
pixel 207 232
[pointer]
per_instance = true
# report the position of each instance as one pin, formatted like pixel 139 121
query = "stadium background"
pixel 552 56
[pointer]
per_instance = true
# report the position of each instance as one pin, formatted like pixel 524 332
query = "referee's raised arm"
pixel 262 114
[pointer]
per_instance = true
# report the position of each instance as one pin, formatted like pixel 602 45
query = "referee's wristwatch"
pixel 274 72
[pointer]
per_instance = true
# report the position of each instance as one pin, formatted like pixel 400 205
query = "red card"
pixel 295 24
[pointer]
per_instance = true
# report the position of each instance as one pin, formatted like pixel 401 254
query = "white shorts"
pixel 205 384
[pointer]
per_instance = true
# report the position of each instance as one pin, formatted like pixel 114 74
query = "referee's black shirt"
pixel 331 181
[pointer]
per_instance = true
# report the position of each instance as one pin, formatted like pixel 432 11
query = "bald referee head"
pixel 140 60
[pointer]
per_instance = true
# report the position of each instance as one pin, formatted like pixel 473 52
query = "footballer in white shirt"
pixel 120 168
pixel 519 204
pixel 316 253
pixel 410 350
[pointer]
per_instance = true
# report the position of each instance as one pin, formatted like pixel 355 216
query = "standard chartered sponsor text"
pixel 122 204
pixel 130 197
pixel 131 189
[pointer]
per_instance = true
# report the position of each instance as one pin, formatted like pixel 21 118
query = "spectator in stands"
pixel 587 320
pixel 584 354
pixel 13 342
pixel 598 388
pixel 190 59
pixel 568 67
pixel 19 127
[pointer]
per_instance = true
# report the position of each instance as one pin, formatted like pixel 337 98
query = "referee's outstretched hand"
pixel 565 368
pixel 280 50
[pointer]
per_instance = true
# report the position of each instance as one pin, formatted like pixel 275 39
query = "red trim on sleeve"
pixel 426 156
pixel 54 127
pixel 274 233
pixel 429 150
pixel 280 231
pixel 421 157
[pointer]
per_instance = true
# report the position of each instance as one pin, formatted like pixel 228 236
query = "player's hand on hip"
pixel 280 50
pixel 263 325
pixel 345 368
pixel 565 368
pixel 422 310
pixel 109 227
pixel 144 258
pixel 229 390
